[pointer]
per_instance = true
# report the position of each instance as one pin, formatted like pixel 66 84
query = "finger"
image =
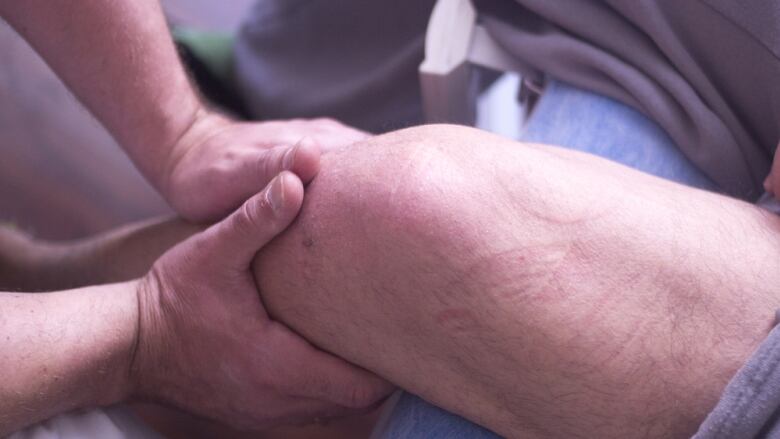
pixel 315 374
pixel 347 385
pixel 302 159
pixel 256 170
pixel 338 140
pixel 339 382
pixel 236 239
pixel 303 411
pixel 772 182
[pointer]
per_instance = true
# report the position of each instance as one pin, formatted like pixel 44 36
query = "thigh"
pixel 530 289
pixel 581 120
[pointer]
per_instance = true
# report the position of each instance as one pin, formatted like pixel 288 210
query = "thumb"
pixel 303 159
pixel 337 381
pixel 772 182
pixel 236 239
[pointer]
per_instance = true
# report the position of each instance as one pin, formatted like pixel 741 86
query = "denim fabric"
pixel 588 122
pixel 413 418
pixel 573 118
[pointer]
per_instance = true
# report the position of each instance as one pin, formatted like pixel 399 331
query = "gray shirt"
pixel 355 60
pixel 750 404
pixel 707 71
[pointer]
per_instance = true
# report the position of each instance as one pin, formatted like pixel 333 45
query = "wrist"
pixel 203 125
pixel 65 350
pixel 118 385
pixel 150 142
pixel 147 355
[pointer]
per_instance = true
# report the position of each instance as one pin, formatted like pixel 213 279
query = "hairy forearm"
pixel 119 255
pixel 119 60
pixel 64 350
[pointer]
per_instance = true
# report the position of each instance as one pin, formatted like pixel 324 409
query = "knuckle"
pixel 271 162
pixel 289 385
pixel 213 175
pixel 252 215
pixel 360 396
pixel 229 156
pixel 327 121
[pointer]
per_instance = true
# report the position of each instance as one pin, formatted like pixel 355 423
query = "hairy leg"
pixel 536 291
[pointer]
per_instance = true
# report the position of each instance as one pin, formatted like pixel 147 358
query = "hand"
pixel 206 344
pixel 772 181
pixel 19 256
pixel 218 163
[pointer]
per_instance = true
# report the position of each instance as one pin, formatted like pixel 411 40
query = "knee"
pixel 388 181
pixel 377 224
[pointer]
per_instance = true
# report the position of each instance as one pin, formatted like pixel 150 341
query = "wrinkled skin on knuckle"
pixel 253 215
pixel 359 397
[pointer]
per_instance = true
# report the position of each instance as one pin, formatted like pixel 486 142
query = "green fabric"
pixel 214 49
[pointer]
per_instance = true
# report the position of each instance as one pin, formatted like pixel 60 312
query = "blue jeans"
pixel 576 119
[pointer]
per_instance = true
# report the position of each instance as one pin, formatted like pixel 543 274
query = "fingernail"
pixel 768 183
pixel 289 157
pixel 275 194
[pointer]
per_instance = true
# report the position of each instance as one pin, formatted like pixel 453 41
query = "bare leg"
pixel 536 291
pixel 561 294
